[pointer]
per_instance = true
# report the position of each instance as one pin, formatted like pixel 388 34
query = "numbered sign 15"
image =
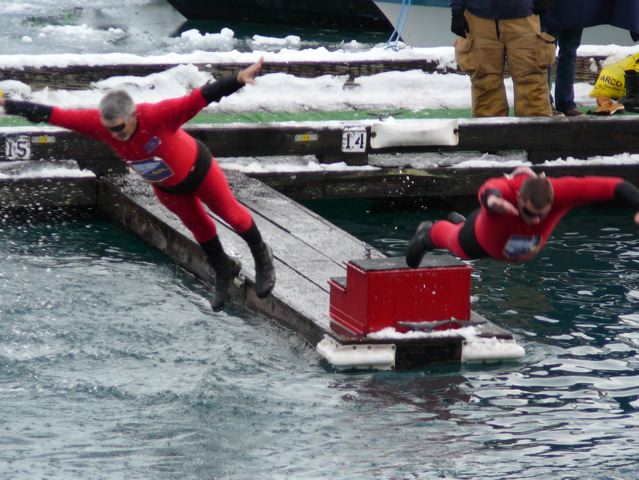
pixel 354 139
pixel 17 148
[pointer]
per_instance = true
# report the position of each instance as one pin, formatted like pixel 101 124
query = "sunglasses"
pixel 530 214
pixel 116 128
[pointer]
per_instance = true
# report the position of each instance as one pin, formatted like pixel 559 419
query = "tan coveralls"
pixel 529 54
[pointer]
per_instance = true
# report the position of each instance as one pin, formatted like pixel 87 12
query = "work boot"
pixel 419 244
pixel 226 269
pixel 631 99
pixel 264 270
pixel 456 218
pixel 571 112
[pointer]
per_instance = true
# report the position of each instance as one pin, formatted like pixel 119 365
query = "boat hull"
pixel 324 14
pixel 428 25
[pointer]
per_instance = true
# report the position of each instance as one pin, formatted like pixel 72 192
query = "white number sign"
pixel 354 139
pixel 17 148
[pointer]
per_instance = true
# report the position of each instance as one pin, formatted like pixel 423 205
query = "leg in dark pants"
pixel 568 41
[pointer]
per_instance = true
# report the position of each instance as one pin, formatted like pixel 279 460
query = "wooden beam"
pixel 82 76
pixel 308 251
pixel 446 184
pixel 52 143
pixel 541 138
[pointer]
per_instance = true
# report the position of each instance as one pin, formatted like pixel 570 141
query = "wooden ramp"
pixel 308 250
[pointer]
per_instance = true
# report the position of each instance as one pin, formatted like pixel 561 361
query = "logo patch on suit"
pixel 152 169
pixel 520 247
pixel 152 145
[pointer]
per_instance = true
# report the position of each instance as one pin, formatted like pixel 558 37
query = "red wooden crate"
pixel 378 293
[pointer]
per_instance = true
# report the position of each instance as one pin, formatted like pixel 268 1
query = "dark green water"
pixel 112 366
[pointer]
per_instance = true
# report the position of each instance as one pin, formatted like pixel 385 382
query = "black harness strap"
pixel 468 240
pixel 199 170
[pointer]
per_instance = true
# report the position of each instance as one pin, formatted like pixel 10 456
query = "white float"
pixel 414 133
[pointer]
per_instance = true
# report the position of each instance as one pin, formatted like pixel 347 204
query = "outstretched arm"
pixel 175 112
pixel 33 112
pixel 85 121
pixel 571 192
pixel 628 193
pixel 215 91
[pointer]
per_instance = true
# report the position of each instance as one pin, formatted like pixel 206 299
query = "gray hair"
pixel 116 104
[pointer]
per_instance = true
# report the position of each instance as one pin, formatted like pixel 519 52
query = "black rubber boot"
pixel 263 256
pixel 264 270
pixel 456 218
pixel 419 244
pixel 226 269
pixel 631 99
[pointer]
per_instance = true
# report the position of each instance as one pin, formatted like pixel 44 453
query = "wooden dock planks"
pixel 307 249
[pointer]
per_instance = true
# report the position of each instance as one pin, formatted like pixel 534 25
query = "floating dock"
pixel 308 252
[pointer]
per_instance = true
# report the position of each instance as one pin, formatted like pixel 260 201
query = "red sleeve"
pixel 85 121
pixel 505 185
pixel 575 191
pixel 175 112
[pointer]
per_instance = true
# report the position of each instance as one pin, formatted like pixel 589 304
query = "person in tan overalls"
pixel 493 32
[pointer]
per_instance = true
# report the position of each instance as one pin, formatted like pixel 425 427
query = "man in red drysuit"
pixel 149 138
pixel 517 215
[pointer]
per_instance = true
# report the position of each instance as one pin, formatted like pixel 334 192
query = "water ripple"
pixel 117 369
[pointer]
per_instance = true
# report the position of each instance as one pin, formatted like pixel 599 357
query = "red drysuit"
pixel 164 154
pixel 508 237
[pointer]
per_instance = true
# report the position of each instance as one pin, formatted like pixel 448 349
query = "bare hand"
pixel 503 207
pixel 637 218
pixel 248 74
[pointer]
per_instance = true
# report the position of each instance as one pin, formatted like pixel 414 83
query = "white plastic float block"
pixel 414 133
pixel 489 350
pixel 361 356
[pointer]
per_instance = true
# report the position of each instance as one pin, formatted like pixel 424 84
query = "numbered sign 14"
pixel 354 139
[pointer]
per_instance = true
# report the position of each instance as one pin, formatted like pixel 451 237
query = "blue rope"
pixel 399 27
